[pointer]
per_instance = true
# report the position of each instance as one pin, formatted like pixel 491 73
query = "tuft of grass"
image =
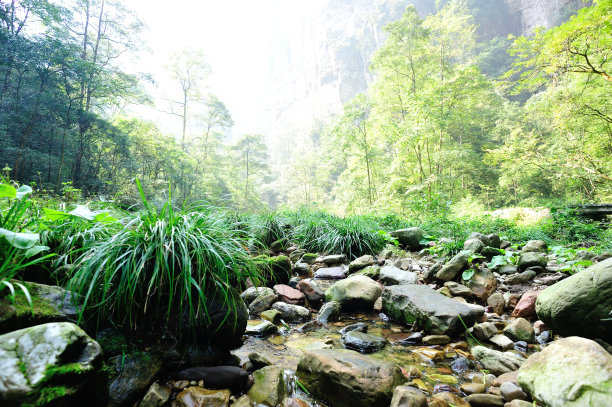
pixel 161 264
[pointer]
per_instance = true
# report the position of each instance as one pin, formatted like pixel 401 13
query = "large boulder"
pixel 339 375
pixel 54 363
pixel 268 386
pixel 531 259
pixel 274 270
pixel 434 312
pixel 391 275
pixel 354 293
pixel 410 238
pixel 458 263
pixel 580 304
pixel 571 372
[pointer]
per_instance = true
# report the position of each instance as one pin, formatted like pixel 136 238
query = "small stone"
pixel 361 263
pixel 510 377
pixel 460 365
pixel 314 294
pixel 511 391
pixel 268 386
pixel 271 315
pixel 293 283
pixel 502 341
pixel 364 342
pixel 484 330
pixel 359 326
pixel 258 360
pixel 518 403
pixel 334 259
pixel 436 340
pixel 329 312
pixel 291 313
pixel 288 294
pixel 407 396
pixel 497 362
pixel 485 400
pixel 534 246
pixel 197 396
pixel 474 245
pixel 531 259
pixel 378 305
pixel 457 289
pixel 520 330
pixel 497 303
pixel 543 338
pixel 308 258
pixel 539 327
pixel 472 388
pixel 446 399
pixel 156 396
pixel 526 305
pixel 330 273
pixel 260 328
pixel 445 291
pixel 507 269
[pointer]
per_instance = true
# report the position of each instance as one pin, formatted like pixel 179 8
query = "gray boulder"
pixel 474 245
pixel 434 312
pixel 580 304
pixel 133 373
pixel 534 246
pixel 361 263
pixel 363 342
pixel 458 263
pixel 410 238
pixel 355 293
pixel 497 362
pixel 391 275
pixel 531 259
pixel 329 312
pixel 291 312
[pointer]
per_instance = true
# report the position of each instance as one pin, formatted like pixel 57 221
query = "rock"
pixel 198 397
pixel 309 258
pixel 361 263
pixel 445 291
pixel 534 246
pixel 135 372
pixel 359 326
pixel 291 313
pixel 521 278
pixel 472 388
pixel 473 245
pixel 457 289
pixel 489 252
pixel 36 359
pixel 244 401
pixel 233 378
pixel 49 304
pixel 377 307
pixel 314 294
pixel 580 304
pixel 434 312
pixel 259 299
pixel 296 255
pixel 447 399
pixel 409 238
pixel 260 328
pixel 258 360
pixel 518 403
pixel 510 377
pixel 460 365
pixel 294 402
pixel 250 294
pixel 507 269
pixel 293 283
pixel 520 330
pixel 526 305
pixel 334 259
pixel 569 372
pixel 494 241
pixel 531 259
pixel 511 391
pixel 329 312
pixel 407 396
pixel 484 330
pixel 274 270
pixel 272 315
pixel 371 271
pixel 288 294
pixel 338 375
pixel 354 293
pixel 505 244
pixel 301 269
pixel 436 340
pixel 497 303
pixel 330 273
pixel 391 275
pixel 482 284
pixel 268 386
pixel 502 341
pixel 363 342
pixel 539 327
pixel 457 264
pixel 497 362
pixel 156 396
pixel 485 400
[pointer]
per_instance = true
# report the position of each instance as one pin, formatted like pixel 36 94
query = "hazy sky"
pixel 235 37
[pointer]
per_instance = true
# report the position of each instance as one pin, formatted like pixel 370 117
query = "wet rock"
pixel 531 259
pixel 409 238
pixel 414 339
pixel 507 269
pixel 377 307
pixel 330 273
pixel 294 402
pixel 497 362
pixel 484 330
pixel 197 397
pixel 268 386
pixel 296 255
pixel 526 305
pixel 474 245
pixel 485 400
pixel 259 298
pixel 301 269
pixel 407 396
pixel 482 284
pixel 363 342
pixel 156 396
pixel 293 283
pixel 580 304
pixel 371 271
pixel 510 377
pixel 572 371
pixel 291 313
pixel 521 346
pixel 359 326
pixel 518 403
pixel 497 303
pixel 490 252
pixel 361 263
pixel 436 340
pixel 391 275
pixel 354 293
pixel 543 337
pixel 260 328
pixel 457 264
pixel 334 259
pixel 288 294
pixel 309 258
pixel 314 294
pixel 135 372
pixel 244 401
pixel 502 341
pixel 28 356
pixel 457 289
pixel 434 312
pixel 460 365
pixel 447 399
pixel 472 388
pixel 511 391
pixel 539 327
pixel 329 312
pixel 520 330
pixel 338 375
pixel 534 246
pixel 271 315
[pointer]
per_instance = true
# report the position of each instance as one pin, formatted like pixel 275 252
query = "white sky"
pixel 235 37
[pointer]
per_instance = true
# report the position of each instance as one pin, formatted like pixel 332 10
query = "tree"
pixel 251 156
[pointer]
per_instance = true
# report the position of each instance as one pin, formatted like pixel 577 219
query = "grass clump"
pixel 164 265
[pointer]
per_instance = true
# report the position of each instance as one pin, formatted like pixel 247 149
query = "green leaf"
pixel 53 214
pixel 20 240
pixel 497 261
pixel 7 191
pixel 467 274
pixel 104 217
pixel 34 250
pixel 83 212
pixel 22 191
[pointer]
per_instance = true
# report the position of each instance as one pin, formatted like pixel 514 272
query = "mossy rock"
pixel 273 269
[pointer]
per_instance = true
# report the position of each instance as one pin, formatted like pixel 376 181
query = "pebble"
pixel 485 400
pixel 502 341
pixel 472 388
pixel 511 391
pixel 460 365
pixel 436 340
pixel 543 338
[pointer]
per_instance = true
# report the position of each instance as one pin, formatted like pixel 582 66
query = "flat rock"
pixel 391 275
pixel 407 396
pixel 458 263
pixel 502 341
pixel 497 362
pixel 355 293
pixel 485 400
pixel 260 328
pixel 520 330
pixel 531 259
pixel 197 397
pixel 330 273
pixel 268 386
pixel 334 259
pixel 363 342
pixel 291 313
pixel 288 294
pixel 360 263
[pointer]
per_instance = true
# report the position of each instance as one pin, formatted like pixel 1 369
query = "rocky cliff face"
pixel 541 13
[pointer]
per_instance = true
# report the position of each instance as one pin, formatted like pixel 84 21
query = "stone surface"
pixel 457 289
pixel 474 245
pixel 511 391
pixel 571 372
pixel 507 269
pixel 29 355
pixel 260 328
pixel 338 375
pixel 447 399
pixel 198 397
pixel 497 303
pixel 272 315
pixel 472 388
pixel 457 264
pixel 520 330
pixel 291 313
pixel 354 293
pixel 531 259
pixel 274 269
pixel 434 312
pixel 268 386
pixel 334 259
pixel 526 305
pixel 361 263
pixel 407 396
pixel 263 301
pixel 485 400
pixel 534 246
pixel 497 362
pixel 436 340
pixel 484 330
pixel 233 378
pixel 135 372
pixel 502 341
pixel 580 304
pixel 391 275
pixel 363 342
pixel 288 294
pixel 329 312
pixel 314 294
pixel 409 238
pixel 330 273
pixel 156 396
pixel 482 284
pixel 250 294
